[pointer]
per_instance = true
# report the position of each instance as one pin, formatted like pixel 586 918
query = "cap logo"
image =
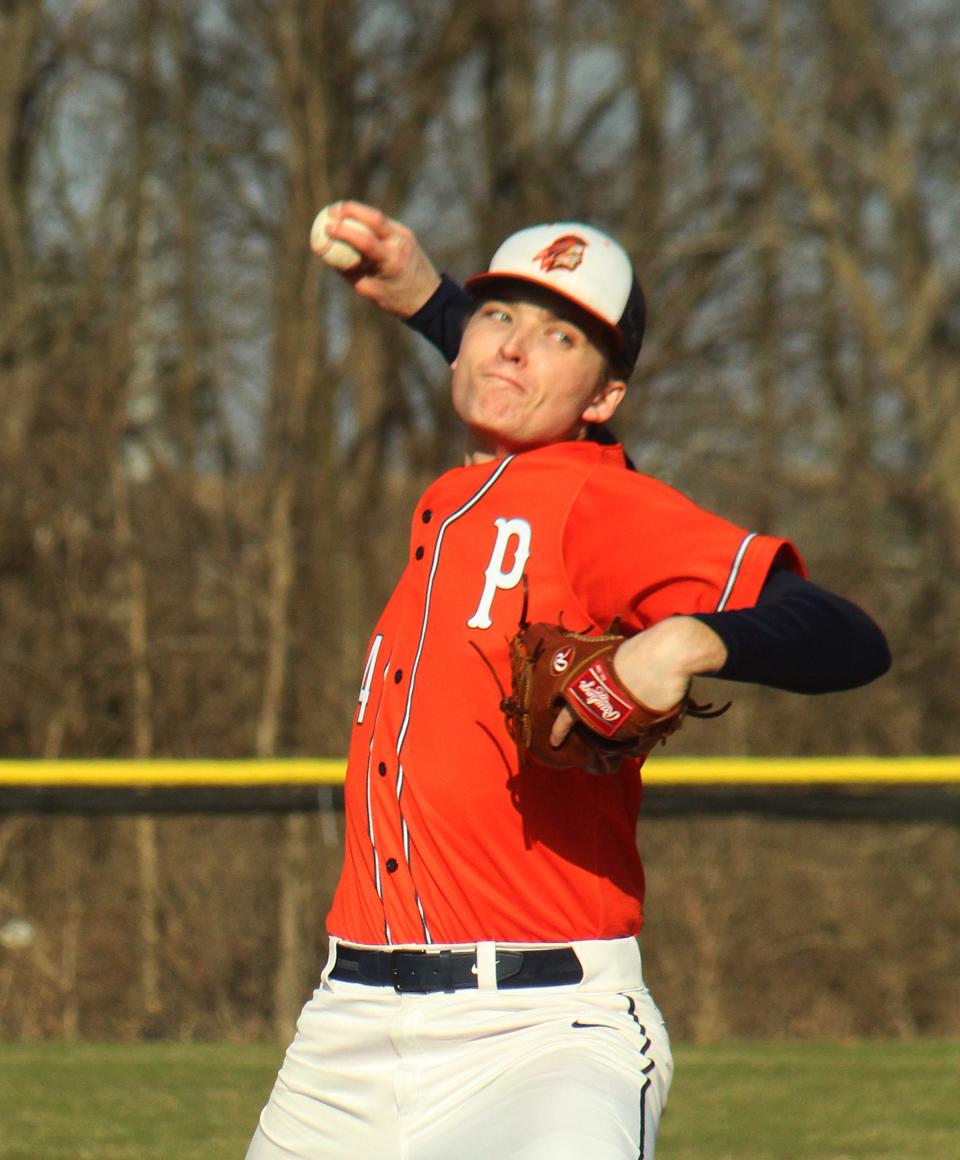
pixel 565 253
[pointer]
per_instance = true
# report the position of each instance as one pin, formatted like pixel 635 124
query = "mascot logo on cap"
pixel 566 253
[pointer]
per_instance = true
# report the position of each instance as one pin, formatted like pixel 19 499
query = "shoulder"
pixel 576 457
pixel 596 476
pixel 611 476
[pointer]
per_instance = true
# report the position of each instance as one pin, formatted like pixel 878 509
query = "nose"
pixel 514 342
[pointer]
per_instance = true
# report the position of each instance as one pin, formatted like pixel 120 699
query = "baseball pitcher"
pixel 484 993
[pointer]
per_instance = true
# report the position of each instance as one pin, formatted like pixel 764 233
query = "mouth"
pixel 498 378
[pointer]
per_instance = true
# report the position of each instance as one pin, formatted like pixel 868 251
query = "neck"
pixel 481 450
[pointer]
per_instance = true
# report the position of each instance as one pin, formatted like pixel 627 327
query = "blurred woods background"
pixel 209 450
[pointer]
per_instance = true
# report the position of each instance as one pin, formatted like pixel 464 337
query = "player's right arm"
pixel 398 276
pixel 396 273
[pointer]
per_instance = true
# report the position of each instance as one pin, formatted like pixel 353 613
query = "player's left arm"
pixel 798 636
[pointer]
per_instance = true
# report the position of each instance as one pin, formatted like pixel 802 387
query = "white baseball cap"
pixel 582 265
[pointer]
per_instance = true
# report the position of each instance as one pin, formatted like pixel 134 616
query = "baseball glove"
pixel 551 667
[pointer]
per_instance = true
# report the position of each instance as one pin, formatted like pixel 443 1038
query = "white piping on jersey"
pixel 377 880
pixel 735 570
pixel 405 838
pixel 405 724
pixel 452 518
pixel 423 919
pixel 404 832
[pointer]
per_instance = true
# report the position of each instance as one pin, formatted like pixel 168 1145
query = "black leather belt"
pixel 426 971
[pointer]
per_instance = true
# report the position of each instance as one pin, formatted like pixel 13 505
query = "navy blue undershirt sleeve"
pixel 440 319
pixel 801 638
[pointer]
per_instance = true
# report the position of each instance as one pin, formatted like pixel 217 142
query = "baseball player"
pixel 484 993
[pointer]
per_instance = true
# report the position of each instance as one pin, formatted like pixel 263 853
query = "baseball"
pixel 331 250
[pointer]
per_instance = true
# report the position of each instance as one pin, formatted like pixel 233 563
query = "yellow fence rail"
pixel 660 771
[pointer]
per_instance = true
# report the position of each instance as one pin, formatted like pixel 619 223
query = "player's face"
pixel 528 374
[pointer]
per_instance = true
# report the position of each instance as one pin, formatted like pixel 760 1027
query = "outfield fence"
pixel 924 787
pixel 827 910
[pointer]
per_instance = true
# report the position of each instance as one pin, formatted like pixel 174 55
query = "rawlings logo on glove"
pixel 550 667
pixel 597 699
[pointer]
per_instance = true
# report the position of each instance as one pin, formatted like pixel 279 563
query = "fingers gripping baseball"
pixel 380 257
pixel 339 252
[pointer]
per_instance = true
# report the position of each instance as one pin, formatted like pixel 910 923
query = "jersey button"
pixel 392 865
pixel 382 769
pixel 419 553
pixel 427 516
pixel 398 676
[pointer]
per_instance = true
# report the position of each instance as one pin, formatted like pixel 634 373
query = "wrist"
pixel 658 664
pixel 689 646
pixel 426 292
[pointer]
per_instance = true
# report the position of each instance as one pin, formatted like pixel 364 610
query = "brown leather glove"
pixel 552 667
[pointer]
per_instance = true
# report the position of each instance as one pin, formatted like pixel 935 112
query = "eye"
pixel 496 311
pixel 563 335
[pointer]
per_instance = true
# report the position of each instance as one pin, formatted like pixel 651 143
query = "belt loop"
pixel 331 961
pixel 487 966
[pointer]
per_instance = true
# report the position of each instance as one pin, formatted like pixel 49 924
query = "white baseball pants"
pixel 534 1073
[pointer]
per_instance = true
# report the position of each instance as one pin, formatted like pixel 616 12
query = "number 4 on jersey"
pixel 368 676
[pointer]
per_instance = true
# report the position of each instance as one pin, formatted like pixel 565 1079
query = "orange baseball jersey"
pixel 447 841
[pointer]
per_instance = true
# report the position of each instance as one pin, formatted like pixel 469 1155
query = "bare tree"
pixel 210 449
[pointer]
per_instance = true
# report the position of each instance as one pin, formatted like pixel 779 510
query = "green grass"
pixel 733 1102
pixel 143 1101
pixel 798 1100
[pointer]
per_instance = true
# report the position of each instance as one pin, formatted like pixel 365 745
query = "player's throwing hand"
pixel 394 272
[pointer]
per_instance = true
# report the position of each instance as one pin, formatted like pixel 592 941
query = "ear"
pixel 608 397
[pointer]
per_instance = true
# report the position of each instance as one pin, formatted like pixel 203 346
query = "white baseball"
pixel 331 250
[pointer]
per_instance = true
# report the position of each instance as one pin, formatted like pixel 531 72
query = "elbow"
pixel 865 659
pixel 869 659
pixel 882 658
pixel 867 650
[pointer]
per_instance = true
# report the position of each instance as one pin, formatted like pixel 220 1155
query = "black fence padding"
pixel 913 802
